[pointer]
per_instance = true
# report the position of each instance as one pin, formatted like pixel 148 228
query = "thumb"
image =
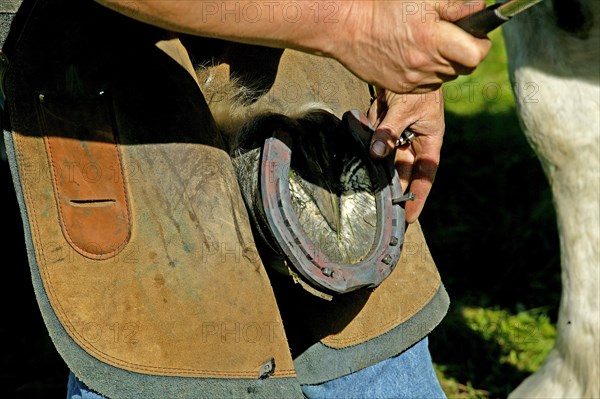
pixel 388 133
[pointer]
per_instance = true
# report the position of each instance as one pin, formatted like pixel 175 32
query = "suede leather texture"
pixel 179 292
pixel 81 147
pixel 411 285
pixel 156 306
pixel 356 317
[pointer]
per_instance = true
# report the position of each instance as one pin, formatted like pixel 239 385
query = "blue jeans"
pixel 409 375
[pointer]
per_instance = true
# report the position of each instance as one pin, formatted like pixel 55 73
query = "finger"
pixel 429 88
pixel 382 106
pixel 383 141
pixel 404 161
pixel 373 114
pixel 378 109
pixel 460 70
pixel 460 48
pixel 422 177
pixel 380 93
pixel 454 71
pixel 424 82
pixel 388 132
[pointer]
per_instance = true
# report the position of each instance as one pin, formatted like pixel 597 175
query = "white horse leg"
pixel 555 75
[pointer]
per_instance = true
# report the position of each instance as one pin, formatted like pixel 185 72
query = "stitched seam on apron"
pixel 57 193
pixel 351 341
pixel 56 305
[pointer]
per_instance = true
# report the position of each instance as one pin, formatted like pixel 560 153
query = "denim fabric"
pixel 409 375
pixel 77 390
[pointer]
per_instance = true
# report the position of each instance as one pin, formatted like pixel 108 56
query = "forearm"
pixel 311 26
pixel 390 44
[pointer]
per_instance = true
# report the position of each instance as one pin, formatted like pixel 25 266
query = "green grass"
pixel 525 337
pixel 494 349
pixel 491 227
pixel 487 89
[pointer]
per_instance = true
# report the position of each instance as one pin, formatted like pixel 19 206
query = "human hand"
pixel 408 46
pixel 417 161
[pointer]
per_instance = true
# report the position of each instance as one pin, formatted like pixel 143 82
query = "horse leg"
pixel 557 93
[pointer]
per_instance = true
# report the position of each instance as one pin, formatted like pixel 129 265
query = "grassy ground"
pixel 491 228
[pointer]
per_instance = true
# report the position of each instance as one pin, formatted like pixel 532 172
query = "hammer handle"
pixel 482 22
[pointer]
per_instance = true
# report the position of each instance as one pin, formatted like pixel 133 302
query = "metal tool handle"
pixel 482 22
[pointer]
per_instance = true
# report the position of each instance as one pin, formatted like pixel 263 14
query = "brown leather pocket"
pixel 87 173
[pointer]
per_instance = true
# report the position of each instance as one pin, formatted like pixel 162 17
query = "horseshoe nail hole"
pixel 92 203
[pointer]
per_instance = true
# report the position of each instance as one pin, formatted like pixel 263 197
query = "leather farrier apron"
pixel 141 252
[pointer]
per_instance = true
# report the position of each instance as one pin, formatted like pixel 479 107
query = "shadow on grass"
pixel 489 220
pixel 469 358
pixel 490 225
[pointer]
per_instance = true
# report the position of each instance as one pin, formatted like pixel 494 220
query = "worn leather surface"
pixel 298 79
pixel 87 173
pixel 186 295
pixel 351 319
pixel 412 284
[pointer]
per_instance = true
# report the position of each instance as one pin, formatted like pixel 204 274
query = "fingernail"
pixel 379 148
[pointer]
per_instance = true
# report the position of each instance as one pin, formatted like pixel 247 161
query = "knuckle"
pixel 413 78
pixel 388 133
